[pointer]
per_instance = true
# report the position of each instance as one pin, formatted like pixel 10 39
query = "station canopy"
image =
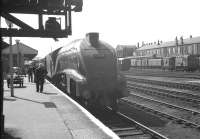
pixel 4 45
pixel 28 52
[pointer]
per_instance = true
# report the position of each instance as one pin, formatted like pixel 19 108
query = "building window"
pixel 173 50
pixel 178 50
pixel 158 52
pixel 169 51
pixel 185 50
pixel 194 49
pixel 189 49
pixel 198 48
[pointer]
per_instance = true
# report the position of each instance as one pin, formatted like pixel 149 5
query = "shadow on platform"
pixel 7 136
pixel 6 90
pixel 49 93
pixel 9 99
pixel 28 100
pixel 18 87
pixel 11 134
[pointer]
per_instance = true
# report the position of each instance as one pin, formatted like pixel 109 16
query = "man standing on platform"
pixel 40 74
pixel 30 74
pixel 33 69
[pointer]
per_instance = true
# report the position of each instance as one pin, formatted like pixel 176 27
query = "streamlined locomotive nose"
pixel 102 81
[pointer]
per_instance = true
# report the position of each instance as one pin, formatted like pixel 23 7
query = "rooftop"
pixel 171 43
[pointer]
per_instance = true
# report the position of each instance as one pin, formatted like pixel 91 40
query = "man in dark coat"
pixel 30 74
pixel 40 74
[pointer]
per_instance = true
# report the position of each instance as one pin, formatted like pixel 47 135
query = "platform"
pixel 48 115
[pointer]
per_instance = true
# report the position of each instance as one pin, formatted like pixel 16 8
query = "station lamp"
pixel 52 24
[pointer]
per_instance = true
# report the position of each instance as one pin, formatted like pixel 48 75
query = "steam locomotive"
pixel 87 69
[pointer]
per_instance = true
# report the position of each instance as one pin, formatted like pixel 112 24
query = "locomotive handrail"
pixel 74 74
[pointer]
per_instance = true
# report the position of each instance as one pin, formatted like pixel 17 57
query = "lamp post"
pixel 1 96
pixel 18 54
pixel 10 24
pixel 11 64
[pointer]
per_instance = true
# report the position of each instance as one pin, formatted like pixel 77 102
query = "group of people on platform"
pixel 37 75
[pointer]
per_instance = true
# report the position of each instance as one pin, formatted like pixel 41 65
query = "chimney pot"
pixel 158 42
pixel 176 41
pixel 138 45
pixel 142 43
pixel 181 39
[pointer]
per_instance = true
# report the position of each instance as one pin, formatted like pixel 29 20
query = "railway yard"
pixel 163 105
pixel 160 107
pixel 171 97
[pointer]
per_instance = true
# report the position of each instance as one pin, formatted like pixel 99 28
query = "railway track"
pixel 167 104
pixel 125 127
pixel 181 105
pixel 172 99
pixel 183 95
pixel 179 85
pixel 170 117
pixel 153 109
pixel 161 73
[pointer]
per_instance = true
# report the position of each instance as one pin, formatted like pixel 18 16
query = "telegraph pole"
pixel 18 54
pixel 11 60
pixel 11 66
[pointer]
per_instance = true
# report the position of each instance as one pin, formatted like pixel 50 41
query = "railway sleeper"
pixel 124 129
pixel 132 133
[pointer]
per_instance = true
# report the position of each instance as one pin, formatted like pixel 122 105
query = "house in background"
pixel 125 50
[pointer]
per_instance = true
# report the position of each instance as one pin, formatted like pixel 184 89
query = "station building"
pixel 125 50
pixel 21 54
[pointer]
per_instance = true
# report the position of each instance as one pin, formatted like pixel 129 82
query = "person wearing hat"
pixel 40 74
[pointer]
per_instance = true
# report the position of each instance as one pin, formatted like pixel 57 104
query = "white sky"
pixel 126 22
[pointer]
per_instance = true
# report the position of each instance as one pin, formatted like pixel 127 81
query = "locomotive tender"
pixel 87 69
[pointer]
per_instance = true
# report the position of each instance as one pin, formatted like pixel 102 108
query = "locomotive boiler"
pixel 87 69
